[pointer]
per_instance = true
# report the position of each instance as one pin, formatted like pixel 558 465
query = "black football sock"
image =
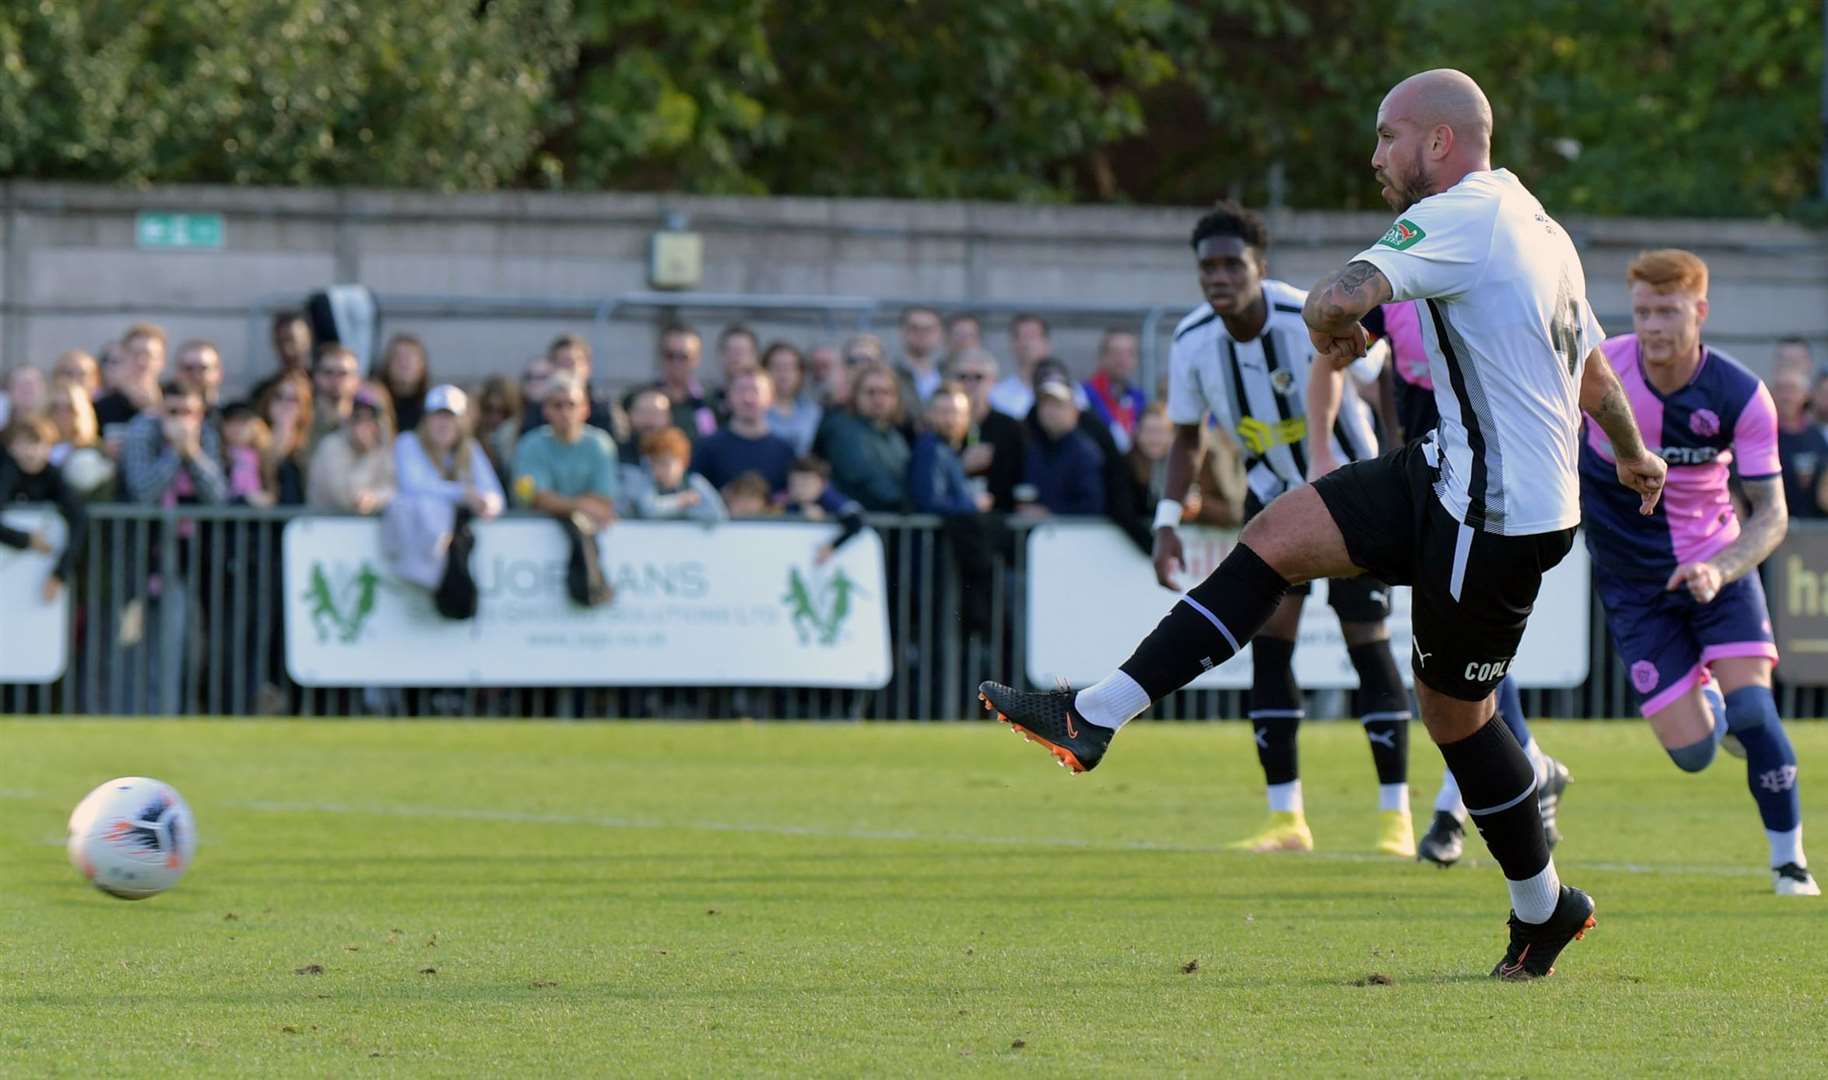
pixel 1383 708
pixel 1499 787
pixel 1275 708
pixel 1209 625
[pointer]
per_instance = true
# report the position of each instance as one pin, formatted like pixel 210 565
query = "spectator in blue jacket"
pixel 937 483
pixel 746 444
pixel 1065 467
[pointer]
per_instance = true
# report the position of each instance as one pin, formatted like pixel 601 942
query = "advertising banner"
pixel 1797 573
pixel 1092 596
pixel 34 635
pixel 728 605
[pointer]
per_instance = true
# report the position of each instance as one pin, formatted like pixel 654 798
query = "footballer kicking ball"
pixel 132 837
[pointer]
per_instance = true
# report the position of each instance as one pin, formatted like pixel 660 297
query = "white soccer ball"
pixel 132 837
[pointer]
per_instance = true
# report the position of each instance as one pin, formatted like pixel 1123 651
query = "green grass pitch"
pixel 919 900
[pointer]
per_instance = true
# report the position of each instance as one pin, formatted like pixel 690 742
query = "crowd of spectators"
pixel 1800 393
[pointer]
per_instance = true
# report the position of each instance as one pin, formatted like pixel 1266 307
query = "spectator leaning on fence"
pixel 567 468
pixel 995 443
pixel 665 488
pixel 811 497
pixel 795 414
pixel 27 475
pixel 1029 342
pixel 171 456
pixel 405 370
pixel 1065 466
pixel 869 455
pixel 352 469
pixel 287 409
pixel 134 374
pixel 922 344
pixel 1111 393
pixel 746 444
pixel 937 483
pixel 444 481
pixel 1802 446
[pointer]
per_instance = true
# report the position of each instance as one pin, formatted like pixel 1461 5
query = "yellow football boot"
pixel 1396 834
pixel 1283 832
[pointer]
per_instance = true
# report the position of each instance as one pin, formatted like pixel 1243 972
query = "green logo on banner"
pixel 818 608
pixel 1402 236
pixel 328 613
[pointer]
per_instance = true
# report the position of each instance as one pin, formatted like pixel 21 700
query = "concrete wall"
pixel 74 278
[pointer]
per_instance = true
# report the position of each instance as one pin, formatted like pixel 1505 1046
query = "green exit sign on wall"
pixel 155 229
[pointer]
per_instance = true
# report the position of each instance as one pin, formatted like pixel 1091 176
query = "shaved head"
pixel 1432 129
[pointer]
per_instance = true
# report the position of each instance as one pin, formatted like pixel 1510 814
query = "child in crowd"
pixel 664 488
pixel 245 439
pixel 746 495
pixel 810 495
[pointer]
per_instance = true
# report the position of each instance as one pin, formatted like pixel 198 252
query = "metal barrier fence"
pixel 179 612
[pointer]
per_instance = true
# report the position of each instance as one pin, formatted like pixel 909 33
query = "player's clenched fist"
pixel 1337 352
pixel 1644 475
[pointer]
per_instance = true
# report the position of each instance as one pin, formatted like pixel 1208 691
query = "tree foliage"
pixel 1606 106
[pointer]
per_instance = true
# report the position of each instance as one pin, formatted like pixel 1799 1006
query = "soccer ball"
pixel 132 837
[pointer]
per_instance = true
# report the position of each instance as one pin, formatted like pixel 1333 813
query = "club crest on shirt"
pixel 1704 423
pixel 1402 236
pixel 1282 381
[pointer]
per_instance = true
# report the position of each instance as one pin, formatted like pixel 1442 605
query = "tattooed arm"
pixel 1603 399
pixel 1334 307
pixel 1757 539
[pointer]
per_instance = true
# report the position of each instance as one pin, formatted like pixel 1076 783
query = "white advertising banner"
pixel 727 605
pixel 1092 596
pixel 34 635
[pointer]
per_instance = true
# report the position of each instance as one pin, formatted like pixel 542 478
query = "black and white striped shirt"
pixel 1258 391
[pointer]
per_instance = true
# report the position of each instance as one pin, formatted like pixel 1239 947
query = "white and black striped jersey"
pixel 1507 328
pixel 1258 391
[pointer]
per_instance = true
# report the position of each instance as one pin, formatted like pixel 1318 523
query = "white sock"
pixel 1112 702
pixel 1447 800
pixel 1285 798
pixel 1534 900
pixel 1393 797
pixel 1537 759
pixel 1786 847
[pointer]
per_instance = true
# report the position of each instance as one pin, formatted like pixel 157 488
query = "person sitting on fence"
pixel 353 468
pixel 795 414
pixel 665 488
pixel 810 496
pixel 287 409
pixel 937 483
pixel 335 377
pixel 444 483
pixel 26 475
pixel 78 453
pixel 405 371
pixel 868 453
pixel 745 444
pixel 747 496
pixel 1065 466
pixel 170 457
pixel 246 440
pixel 568 469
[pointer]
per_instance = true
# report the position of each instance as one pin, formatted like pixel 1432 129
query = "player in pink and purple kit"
pixel 1681 588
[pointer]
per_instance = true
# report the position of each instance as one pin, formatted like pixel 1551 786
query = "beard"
pixel 1404 188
